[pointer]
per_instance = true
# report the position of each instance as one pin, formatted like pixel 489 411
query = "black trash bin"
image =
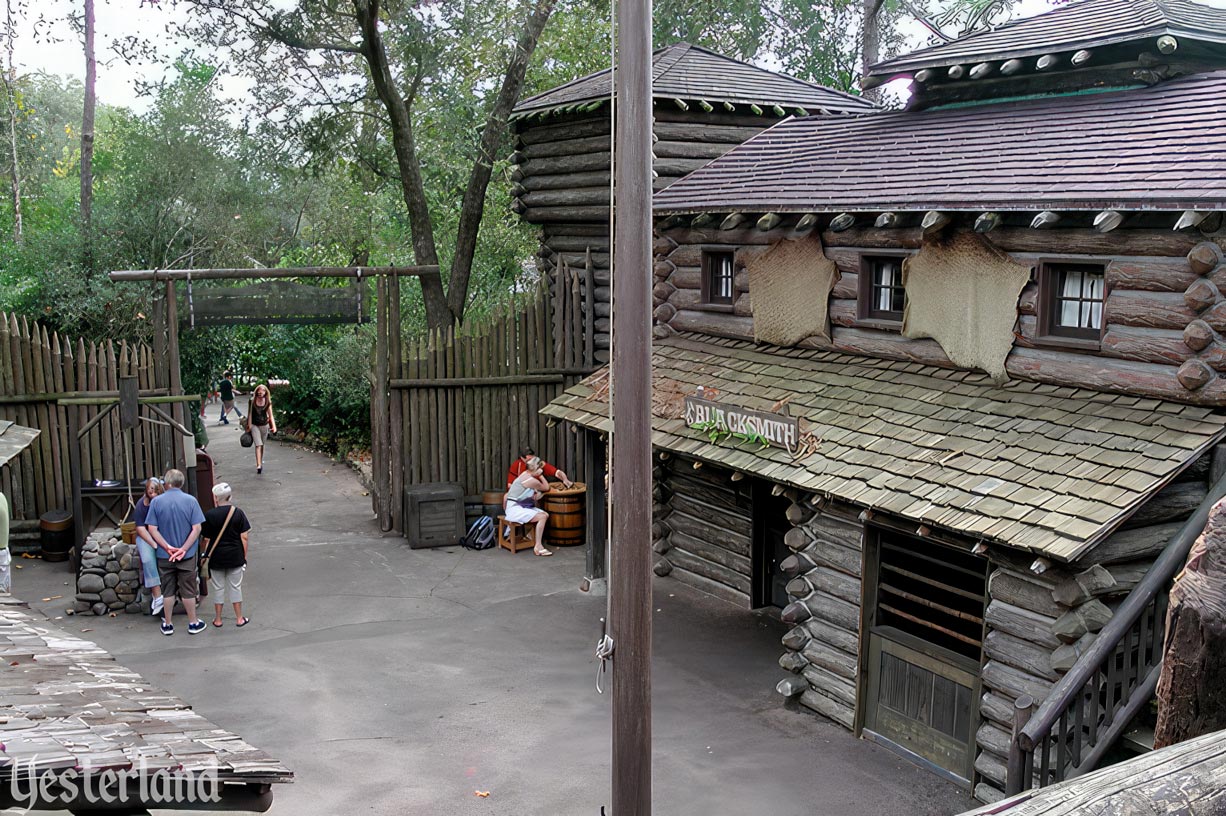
pixel 55 532
pixel 204 480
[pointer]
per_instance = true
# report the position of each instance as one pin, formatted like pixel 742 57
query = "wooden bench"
pixel 513 536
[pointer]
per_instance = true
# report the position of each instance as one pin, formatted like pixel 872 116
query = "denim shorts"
pixel 148 564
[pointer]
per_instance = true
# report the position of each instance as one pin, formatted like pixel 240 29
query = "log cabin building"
pixel 705 104
pixel 939 385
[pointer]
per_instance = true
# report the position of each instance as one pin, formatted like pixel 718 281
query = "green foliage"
pixel 311 179
pixel 326 367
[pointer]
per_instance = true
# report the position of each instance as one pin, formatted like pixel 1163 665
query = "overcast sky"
pixel 55 48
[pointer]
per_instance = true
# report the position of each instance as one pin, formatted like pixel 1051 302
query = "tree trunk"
pixel 870 35
pixel 438 313
pixel 11 97
pixel 1190 702
pixel 478 181
pixel 87 140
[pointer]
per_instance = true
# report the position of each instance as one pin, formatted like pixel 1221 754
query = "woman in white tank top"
pixel 521 501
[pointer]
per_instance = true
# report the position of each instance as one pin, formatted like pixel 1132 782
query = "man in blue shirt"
pixel 174 521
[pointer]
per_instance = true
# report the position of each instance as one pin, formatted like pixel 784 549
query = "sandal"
pixel 541 553
pixel 244 623
pixel 217 623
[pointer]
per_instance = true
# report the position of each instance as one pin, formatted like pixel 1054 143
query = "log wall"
pixel 1038 625
pixel 1164 313
pixel 823 647
pixel 704 523
pixel 562 181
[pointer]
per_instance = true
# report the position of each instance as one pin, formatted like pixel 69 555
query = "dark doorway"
pixel 770 525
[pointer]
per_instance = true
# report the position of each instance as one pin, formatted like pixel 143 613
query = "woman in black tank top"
pixel 263 422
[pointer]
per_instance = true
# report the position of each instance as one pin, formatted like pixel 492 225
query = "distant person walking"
pixel 174 522
pixel 226 388
pixel 263 422
pixel 145 544
pixel 227 554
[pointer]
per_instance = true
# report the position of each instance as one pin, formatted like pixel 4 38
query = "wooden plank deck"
pixel 66 704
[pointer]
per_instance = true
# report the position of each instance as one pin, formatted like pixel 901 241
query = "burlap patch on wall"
pixel 789 287
pixel 962 292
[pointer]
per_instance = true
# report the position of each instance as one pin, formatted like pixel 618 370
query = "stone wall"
pixel 109 580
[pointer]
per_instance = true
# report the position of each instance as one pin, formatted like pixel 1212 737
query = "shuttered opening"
pixel 937 596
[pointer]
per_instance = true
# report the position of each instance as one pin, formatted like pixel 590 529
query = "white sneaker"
pixel 157 606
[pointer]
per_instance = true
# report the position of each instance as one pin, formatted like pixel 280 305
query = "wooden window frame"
pixel 708 303
pixel 866 315
pixel 1047 301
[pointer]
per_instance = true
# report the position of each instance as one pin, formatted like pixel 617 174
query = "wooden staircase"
pixel 1098 711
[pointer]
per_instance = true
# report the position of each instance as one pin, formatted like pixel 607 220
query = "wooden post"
pixel 395 440
pixel 74 473
pixel 630 588
pixel 379 406
pixel 161 374
pixel 597 520
pixel 176 381
pixel 1023 707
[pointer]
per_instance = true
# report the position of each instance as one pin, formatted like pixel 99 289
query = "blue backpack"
pixel 480 535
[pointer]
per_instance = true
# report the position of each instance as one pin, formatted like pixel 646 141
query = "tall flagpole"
pixel 630 488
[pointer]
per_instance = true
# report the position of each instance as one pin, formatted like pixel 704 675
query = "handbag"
pixel 204 557
pixel 246 440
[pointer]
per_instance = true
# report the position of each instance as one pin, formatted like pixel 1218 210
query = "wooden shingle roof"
pixel 14 439
pixel 685 71
pixel 1158 148
pixel 1039 467
pixel 1087 24
pixel 66 704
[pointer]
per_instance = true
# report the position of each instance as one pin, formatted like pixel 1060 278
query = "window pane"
pixel 899 300
pixel 725 276
pixel 887 293
pixel 1070 289
pixel 1077 299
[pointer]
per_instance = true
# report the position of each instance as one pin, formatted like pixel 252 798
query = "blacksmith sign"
pixel 773 429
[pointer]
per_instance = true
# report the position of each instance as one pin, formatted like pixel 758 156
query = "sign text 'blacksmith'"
pixel 774 429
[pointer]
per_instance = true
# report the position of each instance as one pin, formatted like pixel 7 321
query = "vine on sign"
pixel 719 421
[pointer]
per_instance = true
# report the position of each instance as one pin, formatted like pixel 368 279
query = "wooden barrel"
pixel 566 515
pixel 55 528
pixel 492 499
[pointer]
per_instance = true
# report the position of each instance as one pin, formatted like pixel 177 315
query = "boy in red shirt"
pixel 521 464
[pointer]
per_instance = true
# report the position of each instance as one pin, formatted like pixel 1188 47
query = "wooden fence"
pixel 38 368
pixel 460 402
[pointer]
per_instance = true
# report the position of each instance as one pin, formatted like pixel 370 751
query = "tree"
pixel 10 98
pixel 87 139
pixel 400 53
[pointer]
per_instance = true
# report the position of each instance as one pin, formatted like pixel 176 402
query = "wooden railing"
pixel 1092 705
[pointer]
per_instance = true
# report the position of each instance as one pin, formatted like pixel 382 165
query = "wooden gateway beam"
pixel 260 274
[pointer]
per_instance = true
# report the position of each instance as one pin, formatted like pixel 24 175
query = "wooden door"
pixel 922 654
